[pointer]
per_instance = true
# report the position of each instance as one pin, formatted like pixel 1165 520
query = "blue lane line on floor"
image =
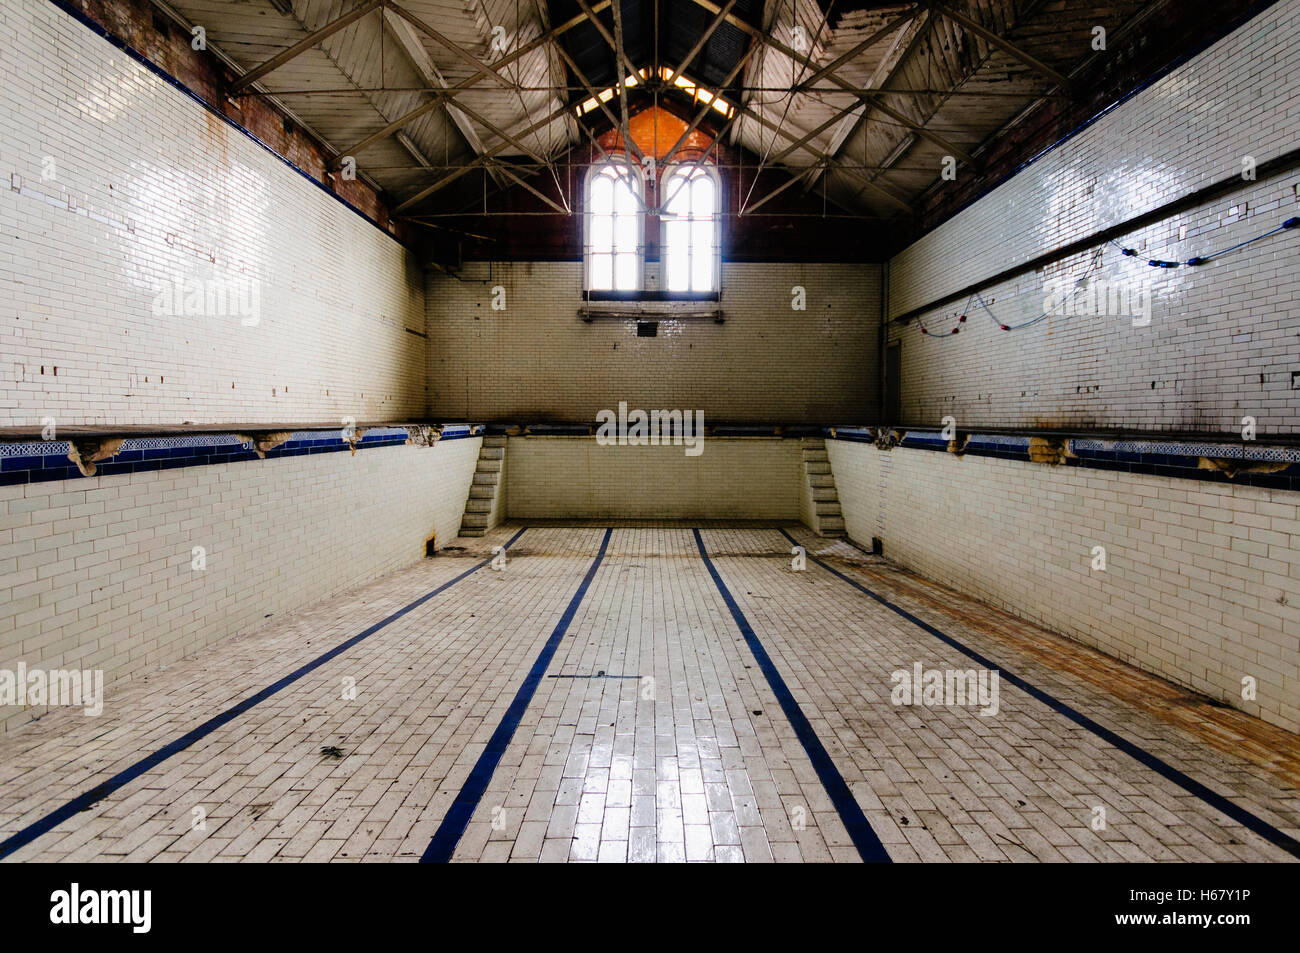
pixel 452 828
pixel 1165 770
pixel 864 837
pixel 127 775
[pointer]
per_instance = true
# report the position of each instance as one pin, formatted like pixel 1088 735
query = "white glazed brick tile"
pixel 690 759
pixel 147 187
pixel 1217 348
pixel 1186 130
pixel 114 589
pixel 1201 587
pixel 574 477
pixel 537 361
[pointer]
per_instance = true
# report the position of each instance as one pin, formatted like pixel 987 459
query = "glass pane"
pixel 702 254
pixel 600 272
pixel 624 201
pixel 614 230
pixel 602 195
pixel 702 196
pixel 625 233
pixel 602 233
pixel 677 256
pixel 701 236
pixel 625 269
pixel 701 268
pixel 677 194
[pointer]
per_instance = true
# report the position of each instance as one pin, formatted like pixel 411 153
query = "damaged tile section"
pixel 424 436
pixel 1231 467
pixel 1053 450
pixel 266 440
pixel 87 453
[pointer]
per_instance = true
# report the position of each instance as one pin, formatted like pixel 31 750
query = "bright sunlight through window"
pixel 614 228
pixel 690 223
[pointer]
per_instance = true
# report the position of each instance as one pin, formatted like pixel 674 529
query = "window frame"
pixel 665 184
pixel 638 174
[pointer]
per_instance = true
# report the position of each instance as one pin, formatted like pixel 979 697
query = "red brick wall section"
pixel 136 23
pixel 1167 35
pixel 795 226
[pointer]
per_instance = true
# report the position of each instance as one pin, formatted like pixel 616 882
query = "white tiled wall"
pixel 1202 580
pixel 1220 342
pixel 114 183
pixel 537 361
pixel 96 573
pixel 733 478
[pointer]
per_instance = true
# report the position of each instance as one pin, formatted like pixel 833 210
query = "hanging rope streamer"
pixel 957 327
pixel 1206 259
pixel 976 297
pixel 1290 223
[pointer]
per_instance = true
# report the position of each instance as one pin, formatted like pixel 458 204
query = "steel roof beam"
pixel 707 35
pixel 846 86
pixel 858 50
pixel 1001 43
pixel 305 44
pixel 477 163
pixel 456 48
pixel 441 95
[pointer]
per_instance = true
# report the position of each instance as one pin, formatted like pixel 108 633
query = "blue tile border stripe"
pixel 453 825
pixel 1168 458
pixel 846 805
pixel 43 461
pixel 127 775
pixel 1167 771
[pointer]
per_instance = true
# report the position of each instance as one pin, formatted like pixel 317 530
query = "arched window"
pixel 692 245
pixel 615 227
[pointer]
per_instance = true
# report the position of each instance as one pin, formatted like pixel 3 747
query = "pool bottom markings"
pixel 124 777
pixel 860 831
pixel 443 844
pixel 1167 771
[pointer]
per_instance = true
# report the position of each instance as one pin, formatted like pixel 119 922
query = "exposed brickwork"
pixel 117 186
pixel 136 23
pixel 1219 346
pixel 1181 25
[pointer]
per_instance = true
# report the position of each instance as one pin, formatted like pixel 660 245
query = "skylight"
pixel 696 92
